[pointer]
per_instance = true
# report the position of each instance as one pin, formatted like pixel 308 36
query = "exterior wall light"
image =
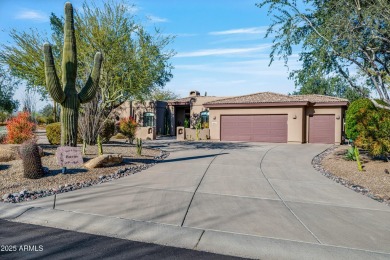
pixel 338 117
pixel 294 116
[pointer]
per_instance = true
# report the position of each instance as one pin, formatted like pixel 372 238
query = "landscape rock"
pixel 9 152
pixel 104 160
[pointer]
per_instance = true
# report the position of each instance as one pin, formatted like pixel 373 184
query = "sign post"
pixel 68 156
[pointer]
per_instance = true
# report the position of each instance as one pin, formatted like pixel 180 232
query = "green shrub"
pixel 119 136
pixel 355 112
pixel 374 132
pixel 53 133
pixel 107 131
pixel 41 120
pixel 3 116
pixel 186 123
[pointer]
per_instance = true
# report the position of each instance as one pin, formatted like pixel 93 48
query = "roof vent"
pixel 194 93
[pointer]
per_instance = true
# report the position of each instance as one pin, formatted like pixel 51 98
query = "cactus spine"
pixel 32 164
pixel 67 95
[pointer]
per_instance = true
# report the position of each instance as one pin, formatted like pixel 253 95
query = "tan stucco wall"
pixel 337 111
pixel 146 133
pixel 123 111
pixel 295 120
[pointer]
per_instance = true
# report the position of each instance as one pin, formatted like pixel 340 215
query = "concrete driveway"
pixel 244 199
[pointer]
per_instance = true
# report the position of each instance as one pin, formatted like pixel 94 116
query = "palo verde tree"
pixel 67 95
pixel 136 60
pixel 7 88
pixel 337 37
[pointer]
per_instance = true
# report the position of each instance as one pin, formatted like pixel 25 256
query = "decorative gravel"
pixel 15 188
pixel 373 182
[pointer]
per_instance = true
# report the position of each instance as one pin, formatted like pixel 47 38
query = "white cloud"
pixel 156 19
pixel 32 15
pixel 132 9
pixel 258 67
pixel 222 51
pixel 251 30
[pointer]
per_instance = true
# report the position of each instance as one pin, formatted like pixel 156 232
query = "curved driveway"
pixel 245 199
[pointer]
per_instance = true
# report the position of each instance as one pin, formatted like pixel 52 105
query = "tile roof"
pixel 201 99
pixel 314 98
pixel 270 97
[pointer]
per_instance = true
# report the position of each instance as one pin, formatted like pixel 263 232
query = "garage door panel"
pixel 322 129
pixel 254 128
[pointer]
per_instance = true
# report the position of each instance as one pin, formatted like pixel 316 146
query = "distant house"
pixel 164 116
pixel 259 117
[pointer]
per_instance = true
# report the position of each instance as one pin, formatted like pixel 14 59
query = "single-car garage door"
pixel 254 128
pixel 322 129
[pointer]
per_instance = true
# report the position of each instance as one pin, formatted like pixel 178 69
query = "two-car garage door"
pixel 254 128
pixel 273 128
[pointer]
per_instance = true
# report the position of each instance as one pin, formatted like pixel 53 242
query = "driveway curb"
pixel 184 237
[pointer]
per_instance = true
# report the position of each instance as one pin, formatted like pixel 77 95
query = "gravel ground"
pixel 15 188
pixel 373 181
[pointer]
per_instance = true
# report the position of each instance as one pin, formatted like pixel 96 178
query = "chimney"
pixel 194 93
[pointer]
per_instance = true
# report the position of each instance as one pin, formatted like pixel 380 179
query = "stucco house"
pixel 259 117
pixel 278 118
pixel 162 117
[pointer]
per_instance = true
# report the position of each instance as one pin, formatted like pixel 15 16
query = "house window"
pixel 148 119
pixel 204 119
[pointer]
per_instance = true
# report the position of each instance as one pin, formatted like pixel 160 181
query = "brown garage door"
pixel 321 129
pixel 254 128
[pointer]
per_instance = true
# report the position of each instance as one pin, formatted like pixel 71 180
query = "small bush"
pixel 19 129
pixel 107 131
pixel 53 133
pixel 186 123
pixel 350 155
pixel 119 136
pixel 128 127
pixel 3 116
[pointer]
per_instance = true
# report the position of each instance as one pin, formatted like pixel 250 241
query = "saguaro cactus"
pixel 67 95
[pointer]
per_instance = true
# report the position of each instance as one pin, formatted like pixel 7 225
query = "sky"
pixel 220 45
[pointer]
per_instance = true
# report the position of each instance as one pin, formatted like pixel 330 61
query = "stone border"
pixel 32 195
pixel 317 164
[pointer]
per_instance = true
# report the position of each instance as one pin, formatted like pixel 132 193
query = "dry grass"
pixel 373 177
pixel 11 173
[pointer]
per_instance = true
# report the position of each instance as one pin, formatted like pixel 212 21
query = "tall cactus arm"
pixel 88 92
pixel 52 82
pixel 69 59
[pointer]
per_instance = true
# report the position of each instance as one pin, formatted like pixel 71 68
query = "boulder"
pixel 104 160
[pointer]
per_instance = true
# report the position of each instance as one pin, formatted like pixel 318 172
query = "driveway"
pixel 244 199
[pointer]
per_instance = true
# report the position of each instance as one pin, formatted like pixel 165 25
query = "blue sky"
pixel 220 44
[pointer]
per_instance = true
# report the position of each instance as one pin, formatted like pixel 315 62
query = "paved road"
pixel 25 241
pixel 243 199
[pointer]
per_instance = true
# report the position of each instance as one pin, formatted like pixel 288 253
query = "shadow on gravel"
pixel 191 158
pixel 173 146
pixel 4 167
